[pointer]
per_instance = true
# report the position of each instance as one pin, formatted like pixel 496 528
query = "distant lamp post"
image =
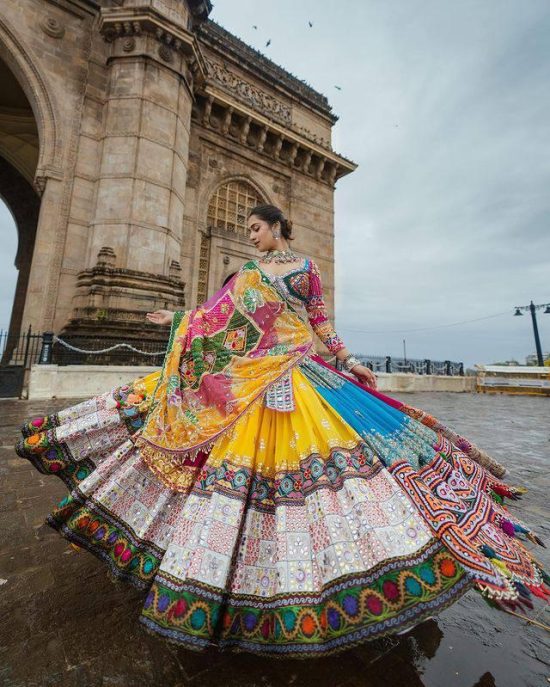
pixel 532 309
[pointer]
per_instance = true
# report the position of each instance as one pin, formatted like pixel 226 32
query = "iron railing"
pixel 93 350
pixel 23 349
pixel 426 366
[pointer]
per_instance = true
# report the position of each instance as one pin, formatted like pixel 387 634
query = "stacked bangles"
pixel 350 362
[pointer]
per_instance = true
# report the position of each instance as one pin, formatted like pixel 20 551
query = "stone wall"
pixel 82 381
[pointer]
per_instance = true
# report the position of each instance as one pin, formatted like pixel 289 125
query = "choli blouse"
pixel 302 287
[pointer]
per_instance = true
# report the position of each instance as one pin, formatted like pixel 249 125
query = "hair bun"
pixel 272 214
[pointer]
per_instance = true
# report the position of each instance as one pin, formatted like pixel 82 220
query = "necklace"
pixel 279 256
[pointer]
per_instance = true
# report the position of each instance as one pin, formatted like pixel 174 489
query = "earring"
pixel 276 233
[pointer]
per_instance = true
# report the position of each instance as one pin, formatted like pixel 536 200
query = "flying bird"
pixel 310 24
pixel 338 87
pixel 268 43
pixel 254 26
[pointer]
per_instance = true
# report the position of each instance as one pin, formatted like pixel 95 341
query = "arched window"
pixel 228 210
pixel 230 204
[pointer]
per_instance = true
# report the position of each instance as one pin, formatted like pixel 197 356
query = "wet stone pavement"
pixel 63 622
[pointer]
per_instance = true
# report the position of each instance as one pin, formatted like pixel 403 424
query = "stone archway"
pixel 19 155
pixel 30 90
pixel 224 246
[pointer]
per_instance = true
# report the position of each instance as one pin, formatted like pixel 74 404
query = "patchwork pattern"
pixel 466 519
pixel 279 396
pixel 359 607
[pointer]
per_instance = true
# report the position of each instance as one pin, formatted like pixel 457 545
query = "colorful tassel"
pixel 496 497
pixel 500 565
pixel 537 591
pixel 520 528
pixel 488 551
pixel 504 490
pixel 519 603
pixel 519 490
pixel 508 527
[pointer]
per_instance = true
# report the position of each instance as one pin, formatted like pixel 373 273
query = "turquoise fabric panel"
pixel 364 412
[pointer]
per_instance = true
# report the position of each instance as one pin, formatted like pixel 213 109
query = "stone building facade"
pixel 134 137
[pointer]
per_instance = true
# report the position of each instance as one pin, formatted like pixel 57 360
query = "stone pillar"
pixel 141 185
pixel 153 62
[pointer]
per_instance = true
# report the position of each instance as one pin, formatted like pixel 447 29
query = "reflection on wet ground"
pixel 63 623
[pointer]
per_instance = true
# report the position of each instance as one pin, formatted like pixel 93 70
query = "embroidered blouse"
pixel 302 287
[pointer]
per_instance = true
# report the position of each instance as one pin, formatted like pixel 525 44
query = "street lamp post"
pixel 532 309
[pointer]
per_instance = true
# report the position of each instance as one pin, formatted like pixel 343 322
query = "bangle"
pixel 350 362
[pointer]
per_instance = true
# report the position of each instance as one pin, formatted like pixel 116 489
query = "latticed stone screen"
pixel 227 210
pixel 204 262
pixel 230 205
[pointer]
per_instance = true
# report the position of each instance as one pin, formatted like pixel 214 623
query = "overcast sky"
pixel 445 106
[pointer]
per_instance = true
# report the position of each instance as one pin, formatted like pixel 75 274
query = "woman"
pixel 267 502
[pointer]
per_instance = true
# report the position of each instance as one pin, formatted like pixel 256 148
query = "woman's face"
pixel 261 234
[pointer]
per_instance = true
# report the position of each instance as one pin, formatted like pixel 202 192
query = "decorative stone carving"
pixel 207 111
pixel 174 271
pixel 121 296
pixel 320 167
pixel 120 23
pixel 52 27
pixel 296 154
pixel 40 184
pixel 129 44
pixel 227 121
pixel 165 53
pixel 244 131
pixel 292 154
pixel 248 93
pixel 277 147
pixel 227 45
pixel 115 29
pixel 261 139
pixel 106 257
pixel 306 162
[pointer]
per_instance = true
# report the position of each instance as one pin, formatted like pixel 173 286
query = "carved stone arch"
pixel 18 60
pixel 226 205
pixel 29 154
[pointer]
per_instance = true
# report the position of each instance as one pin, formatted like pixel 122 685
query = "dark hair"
pixel 272 214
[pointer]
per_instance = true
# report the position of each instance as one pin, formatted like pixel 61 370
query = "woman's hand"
pixel 364 375
pixel 160 316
